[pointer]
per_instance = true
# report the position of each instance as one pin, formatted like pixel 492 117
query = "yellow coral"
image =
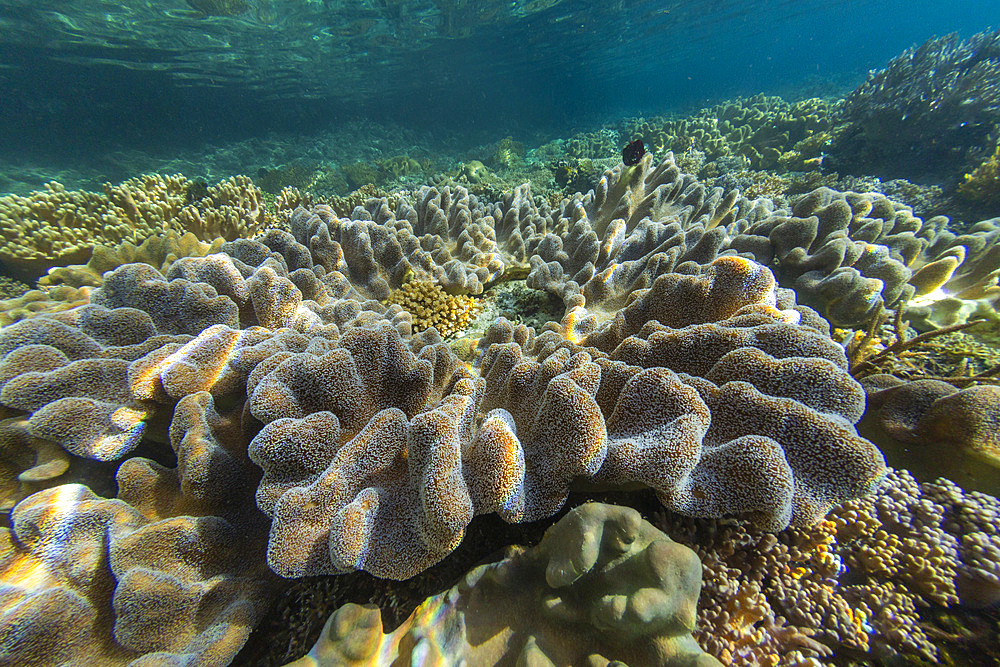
pixel 430 306
pixel 983 184
pixel 55 226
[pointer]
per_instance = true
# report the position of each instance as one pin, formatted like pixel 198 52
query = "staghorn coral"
pixel 927 114
pixel 165 573
pixel 602 585
pixel 58 227
pixel 857 583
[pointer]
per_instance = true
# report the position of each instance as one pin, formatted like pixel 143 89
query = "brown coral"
pixel 161 572
pixel 58 227
pixel 857 582
pixel 430 306
pixel 602 585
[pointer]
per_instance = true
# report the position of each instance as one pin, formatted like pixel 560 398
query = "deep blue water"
pixel 91 75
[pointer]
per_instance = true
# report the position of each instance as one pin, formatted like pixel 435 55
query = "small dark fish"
pixel 633 152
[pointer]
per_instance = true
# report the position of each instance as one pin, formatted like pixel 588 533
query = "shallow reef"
pixel 225 416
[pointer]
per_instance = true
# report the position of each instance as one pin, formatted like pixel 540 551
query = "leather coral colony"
pixel 677 365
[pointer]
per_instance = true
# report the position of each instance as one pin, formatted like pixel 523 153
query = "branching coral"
pixel 764 130
pixel 57 227
pixel 927 113
pixel 430 306
pixel 856 582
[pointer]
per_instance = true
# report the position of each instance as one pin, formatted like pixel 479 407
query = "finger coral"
pixel 431 306
pixel 602 585
pixel 866 580
pixel 54 226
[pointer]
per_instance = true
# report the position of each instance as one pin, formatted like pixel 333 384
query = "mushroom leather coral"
pixel 751 414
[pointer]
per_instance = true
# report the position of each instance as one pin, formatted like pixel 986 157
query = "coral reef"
pixel 763 130
pixel 677 364
pixel 414 465
pixel 937 430
pixel 603 585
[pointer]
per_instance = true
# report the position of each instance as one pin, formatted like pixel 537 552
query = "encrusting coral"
pixel 603 585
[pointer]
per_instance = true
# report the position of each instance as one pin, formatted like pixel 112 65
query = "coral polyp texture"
pixel 865 581
pixel 165 573
pixel 737 410
pixel 320 425
pixel 603 585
